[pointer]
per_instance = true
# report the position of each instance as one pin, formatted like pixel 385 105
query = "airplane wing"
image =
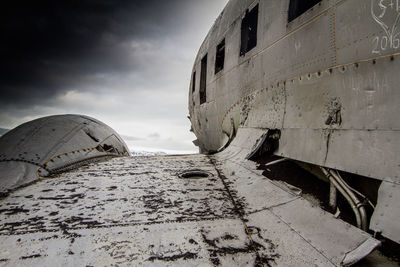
pixel 183 210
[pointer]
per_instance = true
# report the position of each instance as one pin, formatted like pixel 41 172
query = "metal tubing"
pixel 357 202
pixel 345 195
pixel 332 196
pixel 355 191
pixel 276 161
pixel 364 218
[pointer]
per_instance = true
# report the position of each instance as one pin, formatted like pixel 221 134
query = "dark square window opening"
pixel 298 7
pixel 203 80
pixel 249 31
pixel 220 57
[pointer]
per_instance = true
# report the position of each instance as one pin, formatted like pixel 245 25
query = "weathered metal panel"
pixel 208 126
pixel 265 204
pixel 246 138
pixel 373 154
pixel 259 193
pixel 286 238
pixel 366 94
pixel 386 216
pixel 47 144
pixel 267 109
pixel 318 227
pixel 297 53
pixel 307 145
pixel 308 49
pixel 272 22
pixel 366 29
pixel 307 102
pixel 364 132
pixel 369 94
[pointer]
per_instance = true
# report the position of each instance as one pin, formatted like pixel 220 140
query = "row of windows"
pixel 248 40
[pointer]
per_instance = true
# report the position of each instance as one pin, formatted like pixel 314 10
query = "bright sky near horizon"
pixel 126 63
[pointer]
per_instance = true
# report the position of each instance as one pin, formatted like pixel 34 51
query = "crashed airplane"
pixel 294 105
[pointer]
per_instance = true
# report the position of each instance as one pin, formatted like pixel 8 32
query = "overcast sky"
pixel 126 63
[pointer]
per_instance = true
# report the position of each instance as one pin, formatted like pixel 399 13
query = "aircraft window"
pixel 194 81
pixel 249 31
pixel 298 7
pixel 203 79
pixel 220 57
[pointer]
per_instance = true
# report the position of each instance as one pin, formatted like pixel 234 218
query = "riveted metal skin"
pixel 328 80
pixel 50 145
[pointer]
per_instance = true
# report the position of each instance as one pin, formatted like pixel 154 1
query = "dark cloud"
pixel 126 63
pixel 50 46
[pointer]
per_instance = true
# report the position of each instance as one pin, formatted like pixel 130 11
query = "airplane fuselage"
pixel 326 78
pixel 320 78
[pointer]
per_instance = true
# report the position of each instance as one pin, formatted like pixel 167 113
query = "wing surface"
pixel 143 211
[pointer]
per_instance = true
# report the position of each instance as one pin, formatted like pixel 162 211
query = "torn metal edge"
pixel 360 252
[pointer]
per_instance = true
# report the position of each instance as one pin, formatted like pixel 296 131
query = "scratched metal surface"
pixel 338 58
pixel 138 211
pixel 386 215
pixel 328 80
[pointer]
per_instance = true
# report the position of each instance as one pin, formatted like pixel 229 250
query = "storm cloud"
pixel 127 63
pixel 51 46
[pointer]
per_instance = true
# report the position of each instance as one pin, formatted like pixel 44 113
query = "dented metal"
pixel 54 144
pixel 326 79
